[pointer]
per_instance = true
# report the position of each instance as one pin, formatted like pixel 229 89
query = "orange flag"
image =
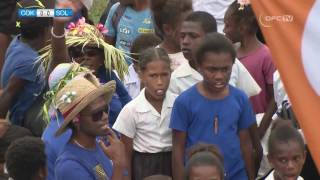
pixel 292 32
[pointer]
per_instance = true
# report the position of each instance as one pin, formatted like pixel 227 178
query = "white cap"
pixel 58 73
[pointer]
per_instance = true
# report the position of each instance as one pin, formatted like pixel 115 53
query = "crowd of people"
pixel 158 90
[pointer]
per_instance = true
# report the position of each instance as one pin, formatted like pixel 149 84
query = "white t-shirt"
pixel 271 176
pixel 149 130
pixel 242 79
pixel 132 82
pixel 185 76
pixel 279 92
pixel 177 59
pixel 216 8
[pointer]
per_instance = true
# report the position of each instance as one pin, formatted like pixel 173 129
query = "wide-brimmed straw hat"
pixel 77 94
pixel 58 78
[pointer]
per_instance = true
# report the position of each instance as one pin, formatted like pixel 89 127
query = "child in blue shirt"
pixel 214 112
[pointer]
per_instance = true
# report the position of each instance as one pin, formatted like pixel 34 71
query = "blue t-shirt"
pixel 20 61
pixel 131 25
pixel 54 145
pixel 119 99
pixel 76 163
pixel 195 114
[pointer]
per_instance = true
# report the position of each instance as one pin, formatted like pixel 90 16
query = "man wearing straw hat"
pixel 82 102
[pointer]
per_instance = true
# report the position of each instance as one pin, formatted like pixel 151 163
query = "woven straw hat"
pixel 58 78
pixel 86 35
pixel 77 94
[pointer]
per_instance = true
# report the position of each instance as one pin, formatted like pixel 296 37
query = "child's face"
pixel 174 34
pixel 231 28
pixel 191 35
pixel 204 173
pixel 156 78
pixel 287 160
pixel 216 70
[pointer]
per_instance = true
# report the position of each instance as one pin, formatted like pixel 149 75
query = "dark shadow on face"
pixel 94 118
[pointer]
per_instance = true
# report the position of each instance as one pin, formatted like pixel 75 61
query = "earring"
pixel 76 120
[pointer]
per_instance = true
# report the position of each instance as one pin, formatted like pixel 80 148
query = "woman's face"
pixel 90 57
pixel 93 58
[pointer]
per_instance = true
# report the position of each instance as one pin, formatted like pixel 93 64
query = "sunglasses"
pixel 97 116
pixel 76 52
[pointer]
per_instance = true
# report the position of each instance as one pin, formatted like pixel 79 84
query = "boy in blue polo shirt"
pixel 214 112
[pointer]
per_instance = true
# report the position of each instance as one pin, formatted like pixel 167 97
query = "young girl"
pixel 205 162
pixel 214 112
pixel 168 16
pixel 287 152
pixel 142 42
pixel 144 122
pixel 241 26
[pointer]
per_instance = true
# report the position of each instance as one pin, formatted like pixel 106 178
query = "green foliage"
pixel 97 9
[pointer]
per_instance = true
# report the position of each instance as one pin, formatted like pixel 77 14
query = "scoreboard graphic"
pixel 44 12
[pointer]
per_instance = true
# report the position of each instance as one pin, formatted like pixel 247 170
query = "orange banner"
pixel 292 32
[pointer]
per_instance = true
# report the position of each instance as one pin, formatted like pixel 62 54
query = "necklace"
pixel 80 145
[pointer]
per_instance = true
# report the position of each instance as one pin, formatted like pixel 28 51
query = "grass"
pixel 97 10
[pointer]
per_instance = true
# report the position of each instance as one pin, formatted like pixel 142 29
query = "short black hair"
pixel 32 27
pixel 216 43
pixel 207 22
pixel 152 54
pixel 204 155
pixel 169 12
pixel 13 132
pixel 284 132
pixel 143 42
pixel 25 157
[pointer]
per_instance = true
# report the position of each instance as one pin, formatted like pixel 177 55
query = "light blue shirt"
pixel 131 25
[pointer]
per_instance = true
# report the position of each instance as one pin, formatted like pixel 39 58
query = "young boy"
pixel 8 134
pixel 168 16
pixel 287 152
pixel 214 112
pixel 25 159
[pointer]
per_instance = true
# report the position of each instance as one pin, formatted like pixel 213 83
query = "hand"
pixel 115 151
pixel 4 125
pixel 67 4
